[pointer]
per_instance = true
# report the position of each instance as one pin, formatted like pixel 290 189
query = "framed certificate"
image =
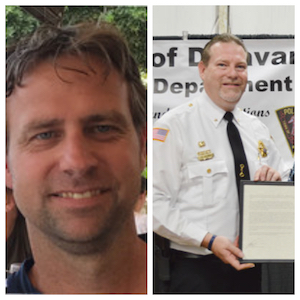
pixel 267 221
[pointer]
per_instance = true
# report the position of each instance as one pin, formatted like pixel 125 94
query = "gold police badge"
pixel 262 150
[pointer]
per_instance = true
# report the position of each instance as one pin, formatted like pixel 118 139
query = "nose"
pixel 232 72
pixel 77 156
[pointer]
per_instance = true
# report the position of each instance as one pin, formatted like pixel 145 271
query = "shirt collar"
pixel 236 114
pixel 215 113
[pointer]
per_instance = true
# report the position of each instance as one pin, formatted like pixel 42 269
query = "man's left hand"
pixel 266 173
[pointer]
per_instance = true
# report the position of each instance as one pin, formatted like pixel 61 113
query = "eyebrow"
pixel 36 126
pixel 228 60
pixel 113 116
pixel 42 124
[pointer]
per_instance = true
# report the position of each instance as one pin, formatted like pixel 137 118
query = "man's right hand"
pixel 227 251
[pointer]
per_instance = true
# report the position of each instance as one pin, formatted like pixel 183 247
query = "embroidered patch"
pixel 286 118
pixel 160 134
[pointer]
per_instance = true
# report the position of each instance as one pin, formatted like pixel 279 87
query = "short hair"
pixel 103 41
pixel 222 38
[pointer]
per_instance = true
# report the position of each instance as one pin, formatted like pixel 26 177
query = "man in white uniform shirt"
pixel 196 202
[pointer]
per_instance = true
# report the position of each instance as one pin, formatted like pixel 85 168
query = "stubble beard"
pixel 231 97
pixel 108 229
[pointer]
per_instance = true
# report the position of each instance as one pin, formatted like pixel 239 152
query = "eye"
pixel 241 67
pixel 102 128
pixel 222 65
pixel 45 135
pixel 104 132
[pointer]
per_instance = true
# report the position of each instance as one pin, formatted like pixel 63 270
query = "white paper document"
pixel 267 229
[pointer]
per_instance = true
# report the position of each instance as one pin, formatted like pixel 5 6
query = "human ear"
pixel 201 68
pixel 8 175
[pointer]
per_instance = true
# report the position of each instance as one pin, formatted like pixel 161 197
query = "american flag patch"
pixel 160 134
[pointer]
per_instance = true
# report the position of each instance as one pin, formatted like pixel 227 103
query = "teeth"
pixel 87 194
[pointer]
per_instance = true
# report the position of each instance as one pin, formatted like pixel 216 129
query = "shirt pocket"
pixel 208 180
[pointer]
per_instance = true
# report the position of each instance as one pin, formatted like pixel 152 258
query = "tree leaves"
pixel 131 20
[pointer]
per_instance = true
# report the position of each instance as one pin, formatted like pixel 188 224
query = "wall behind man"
pixel 242 19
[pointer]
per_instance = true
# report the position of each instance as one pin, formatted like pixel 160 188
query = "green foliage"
pixel 131 20
pixel 18 24
pixel 78 14
pixel 144 173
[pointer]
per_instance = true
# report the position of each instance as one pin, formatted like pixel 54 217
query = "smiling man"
pixel 197 170
pixel 76 116
pixel 225 76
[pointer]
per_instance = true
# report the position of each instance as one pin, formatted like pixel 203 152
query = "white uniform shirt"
pixel 193 196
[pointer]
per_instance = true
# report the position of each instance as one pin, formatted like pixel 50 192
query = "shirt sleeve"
pixel 168 221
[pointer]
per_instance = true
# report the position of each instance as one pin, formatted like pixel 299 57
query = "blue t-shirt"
pixel 19 283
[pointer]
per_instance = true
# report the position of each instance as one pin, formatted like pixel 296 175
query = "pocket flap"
pixel 206 168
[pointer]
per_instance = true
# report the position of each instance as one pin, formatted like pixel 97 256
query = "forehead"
pixel 70 88
pixel 68 68
pixel 227 50
pixel 68 72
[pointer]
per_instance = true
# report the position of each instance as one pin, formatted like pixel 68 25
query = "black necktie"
pixel 240 160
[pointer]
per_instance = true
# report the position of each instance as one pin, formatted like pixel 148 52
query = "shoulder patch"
pixel 160 134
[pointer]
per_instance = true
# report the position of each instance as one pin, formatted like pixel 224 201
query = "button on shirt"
pixel 194 180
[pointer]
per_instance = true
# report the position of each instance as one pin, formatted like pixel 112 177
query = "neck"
pixel 121 269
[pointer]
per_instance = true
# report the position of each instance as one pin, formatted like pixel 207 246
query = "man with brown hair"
pixel 197 170
pixel 76 115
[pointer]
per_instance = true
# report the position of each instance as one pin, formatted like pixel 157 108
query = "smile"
pixel 72 195
pixel 231 84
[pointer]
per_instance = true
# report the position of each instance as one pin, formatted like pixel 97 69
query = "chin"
pixel 231 99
